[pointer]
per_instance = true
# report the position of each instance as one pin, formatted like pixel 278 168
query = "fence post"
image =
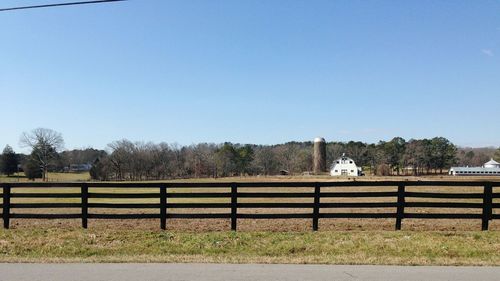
pixel 6 206
pixel 487 208
pixel 85 202
pixel 401 206
pixel 317 194
pixel 163 207
pixel 234 204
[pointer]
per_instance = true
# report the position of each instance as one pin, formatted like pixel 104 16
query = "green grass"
pixel 352 247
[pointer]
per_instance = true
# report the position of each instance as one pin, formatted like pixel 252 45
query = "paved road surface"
pixel 250 272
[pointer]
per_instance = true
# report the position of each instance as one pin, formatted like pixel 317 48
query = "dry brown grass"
pixel 105 244
pixel 84 176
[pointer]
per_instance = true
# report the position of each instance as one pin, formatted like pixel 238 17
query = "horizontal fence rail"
pixel 235 193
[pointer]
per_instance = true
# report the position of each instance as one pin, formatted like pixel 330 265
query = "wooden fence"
pixel 88 210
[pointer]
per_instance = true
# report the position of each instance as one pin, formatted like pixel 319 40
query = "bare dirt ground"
pixel 275 225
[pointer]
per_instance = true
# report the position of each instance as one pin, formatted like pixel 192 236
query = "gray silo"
pixel 319 160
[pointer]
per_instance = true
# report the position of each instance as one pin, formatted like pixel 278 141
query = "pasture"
pixel 200 201
pixel 339 240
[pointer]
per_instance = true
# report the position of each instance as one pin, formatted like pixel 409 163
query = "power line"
pixel 58 4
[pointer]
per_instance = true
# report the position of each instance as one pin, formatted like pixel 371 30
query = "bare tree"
pixel 265 160
pixel 44 143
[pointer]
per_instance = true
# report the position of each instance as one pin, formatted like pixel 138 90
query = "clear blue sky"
pixel 252 71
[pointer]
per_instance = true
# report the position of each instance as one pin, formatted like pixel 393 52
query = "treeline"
pixel 148 161
pixel 31 166
pixel 126 160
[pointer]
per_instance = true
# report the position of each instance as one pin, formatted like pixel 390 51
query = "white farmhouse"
pixel 490 168
pixel 345 166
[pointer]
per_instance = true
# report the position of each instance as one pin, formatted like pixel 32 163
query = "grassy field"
pixel 85 176
pixel 354 247
pixel 339 241
pixel 266 225
pixel 56 177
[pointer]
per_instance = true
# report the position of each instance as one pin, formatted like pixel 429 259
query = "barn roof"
pixel 492 162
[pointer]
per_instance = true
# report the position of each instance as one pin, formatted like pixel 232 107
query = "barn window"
pixel 350 162
pixel 352 171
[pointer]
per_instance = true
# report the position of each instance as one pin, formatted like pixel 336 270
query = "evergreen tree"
pixel 8 161
pixel 32 169
pixel 497 154
pixel 444 153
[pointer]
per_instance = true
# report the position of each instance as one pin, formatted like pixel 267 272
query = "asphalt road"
pixel 209 272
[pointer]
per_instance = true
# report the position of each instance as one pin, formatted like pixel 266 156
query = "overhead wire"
pixel 58 5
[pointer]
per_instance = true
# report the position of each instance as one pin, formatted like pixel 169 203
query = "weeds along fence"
pixel 86 201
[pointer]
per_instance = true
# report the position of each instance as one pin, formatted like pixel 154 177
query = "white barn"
pixel 345 166
pixel 490 168
pixel 491 164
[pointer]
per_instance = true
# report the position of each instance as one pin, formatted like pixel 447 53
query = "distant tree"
pixel 333 151
pixel 244 157
pixel 497 155
pixel 415 156
pixel 304 160
pixel 32 169
pixel 394 151
pixel 199 160
pixel 371 157
pixel 226 160
pixel 121 158
pixel 294 157
pixel 358 152
pixel 98 171
pixel 265 161
pixel 469 156
pixel 443 153
pixel 473 157
pixel 206 159
pixel 8 161
pixel 162 155
pixel 45 144
pixel 383 170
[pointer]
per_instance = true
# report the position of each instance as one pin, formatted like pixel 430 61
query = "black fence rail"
pixel 317 193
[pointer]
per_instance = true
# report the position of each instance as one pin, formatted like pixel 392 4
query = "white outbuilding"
pixel 490 168
pixel 345 166
pixel 491 164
